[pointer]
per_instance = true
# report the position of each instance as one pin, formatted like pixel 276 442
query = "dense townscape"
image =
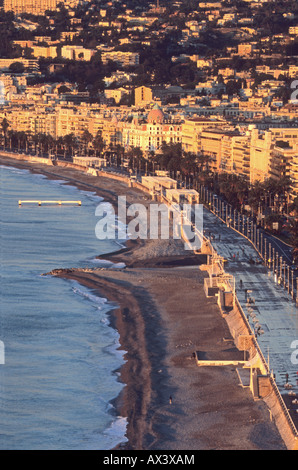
pixel 204 90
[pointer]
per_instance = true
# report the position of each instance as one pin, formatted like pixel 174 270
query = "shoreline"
pixel 212 411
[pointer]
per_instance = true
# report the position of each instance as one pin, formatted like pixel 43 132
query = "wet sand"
pixel 163 316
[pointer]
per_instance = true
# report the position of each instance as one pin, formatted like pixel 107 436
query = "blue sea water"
pixel 61 354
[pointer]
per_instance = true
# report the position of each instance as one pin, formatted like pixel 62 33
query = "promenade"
pixel 268 306
pixel 163 317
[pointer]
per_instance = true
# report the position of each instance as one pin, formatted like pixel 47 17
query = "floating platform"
pixel 39 202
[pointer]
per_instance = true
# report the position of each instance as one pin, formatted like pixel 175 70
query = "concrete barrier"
pixel 27 158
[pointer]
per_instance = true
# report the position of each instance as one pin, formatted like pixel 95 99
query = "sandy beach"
pixel 163 316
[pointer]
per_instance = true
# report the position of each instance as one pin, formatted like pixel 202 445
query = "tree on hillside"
pixel 17 67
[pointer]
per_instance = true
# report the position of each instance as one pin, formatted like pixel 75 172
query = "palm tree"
pixel 5 125
pixel 256 196
pixel 294 206
pixel 241 187
pixel 35 140
pixel 87 137
pixel 277 189
pixel 119 150
pixel 170 157
pixel 22 139
pixel 59 144
pixel 294 238
pixel 70 143
pixel 98 143
pixel 135 156
pixel 189 163
pixel 203 162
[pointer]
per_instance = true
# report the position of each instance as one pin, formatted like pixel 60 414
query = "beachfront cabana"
pixel 158 184
pixel 180 196
pixel 94 162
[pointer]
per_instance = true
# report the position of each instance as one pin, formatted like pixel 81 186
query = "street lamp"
pixel 281 265
pixel 269 258
pixel 262 244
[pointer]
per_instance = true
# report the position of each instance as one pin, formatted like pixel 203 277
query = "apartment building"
pixel 71 121
pixel 235 155
pixel 124 59
pixel 286 134
pixel 211 145
pixel 294 177
pixel 245 49
pixel 112 132
pixel 77 53
pixel 218 144
pixel 293 30
pixel 115 94
pixel 143 95
pixel 44 51
pixel 274 154
pixel 293 71
pixel 43 122
pixel 36 120
pixel 254 155
pixel 191 130
pixel 29 64
pixel 261 144
pixel 35 7
pixel 282 155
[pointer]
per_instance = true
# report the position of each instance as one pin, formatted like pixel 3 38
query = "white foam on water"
pixel 100 302
pixel 107 264
pixel 18 171
pixel 116 432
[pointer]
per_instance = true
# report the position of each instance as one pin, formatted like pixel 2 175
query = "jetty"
pixel 60 203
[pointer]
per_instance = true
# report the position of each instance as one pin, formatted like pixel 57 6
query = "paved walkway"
pixel 272 309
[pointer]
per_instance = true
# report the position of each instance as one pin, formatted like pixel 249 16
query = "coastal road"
pixel 284 249
pixel 246 225
pixel 269 306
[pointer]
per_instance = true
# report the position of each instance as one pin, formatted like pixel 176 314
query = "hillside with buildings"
pixel 215 79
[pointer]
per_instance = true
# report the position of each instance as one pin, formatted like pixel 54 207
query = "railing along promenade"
pixel 256 237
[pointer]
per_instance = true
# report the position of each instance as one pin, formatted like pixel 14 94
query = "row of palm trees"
pixel 195 168
pixel 267 197
pixel 41 143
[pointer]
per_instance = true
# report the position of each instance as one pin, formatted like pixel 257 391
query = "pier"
pixel 60 203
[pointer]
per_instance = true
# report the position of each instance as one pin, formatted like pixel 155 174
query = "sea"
pixel 61 355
